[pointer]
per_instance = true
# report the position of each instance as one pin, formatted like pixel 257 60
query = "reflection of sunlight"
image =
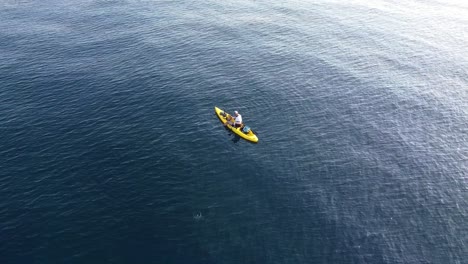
pixel 449 9
pixel 439 23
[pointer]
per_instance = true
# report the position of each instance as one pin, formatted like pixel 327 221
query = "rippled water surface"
pixel 111 153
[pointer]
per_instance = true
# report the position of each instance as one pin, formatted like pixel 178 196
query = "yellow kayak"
pixel 249 136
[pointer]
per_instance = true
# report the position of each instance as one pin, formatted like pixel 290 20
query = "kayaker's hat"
pixel 235 112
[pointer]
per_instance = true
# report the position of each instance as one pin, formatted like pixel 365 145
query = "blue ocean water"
pixel 111 153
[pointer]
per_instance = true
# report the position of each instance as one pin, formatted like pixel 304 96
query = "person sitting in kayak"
pixel 238 120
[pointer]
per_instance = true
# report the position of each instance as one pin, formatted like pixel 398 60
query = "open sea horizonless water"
pixel 111 152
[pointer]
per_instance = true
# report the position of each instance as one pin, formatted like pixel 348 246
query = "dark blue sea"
pixel 110 150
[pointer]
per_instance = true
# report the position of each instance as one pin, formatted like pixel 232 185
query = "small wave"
pixel 198 216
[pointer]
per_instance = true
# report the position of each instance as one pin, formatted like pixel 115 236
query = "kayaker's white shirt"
pixel 238 119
